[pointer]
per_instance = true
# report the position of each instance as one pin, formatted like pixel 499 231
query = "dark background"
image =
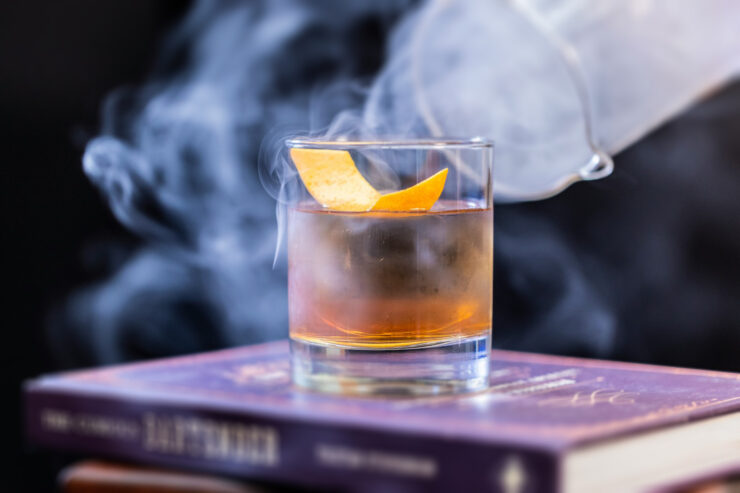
pixel 658 243
pixel 57 62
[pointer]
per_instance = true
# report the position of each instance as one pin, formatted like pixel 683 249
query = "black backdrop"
pixel 57 62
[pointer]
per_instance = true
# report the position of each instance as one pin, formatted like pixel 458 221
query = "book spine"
pixel 198 438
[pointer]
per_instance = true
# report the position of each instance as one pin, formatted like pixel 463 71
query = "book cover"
pixel 236 412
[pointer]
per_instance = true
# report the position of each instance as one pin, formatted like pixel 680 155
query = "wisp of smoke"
pixel 177 158
pixel 176 161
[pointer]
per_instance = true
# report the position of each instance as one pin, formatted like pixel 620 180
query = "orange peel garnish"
pixel 332 178
pixel 420 197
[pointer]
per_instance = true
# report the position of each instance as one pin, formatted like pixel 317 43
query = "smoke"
pixel 177 161
pixel 546 290
pixel 643 266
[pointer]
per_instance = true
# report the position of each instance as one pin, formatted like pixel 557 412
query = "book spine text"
pixel 199 438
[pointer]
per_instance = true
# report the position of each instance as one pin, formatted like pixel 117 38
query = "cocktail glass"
pixel 395 302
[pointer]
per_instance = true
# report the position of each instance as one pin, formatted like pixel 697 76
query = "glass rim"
pixel 391 143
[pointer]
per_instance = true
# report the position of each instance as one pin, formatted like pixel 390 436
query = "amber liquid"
pixel 390 280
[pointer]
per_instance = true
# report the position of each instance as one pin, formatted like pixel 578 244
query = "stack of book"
pixel 546 424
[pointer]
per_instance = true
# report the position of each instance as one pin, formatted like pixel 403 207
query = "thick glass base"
pixel 445 368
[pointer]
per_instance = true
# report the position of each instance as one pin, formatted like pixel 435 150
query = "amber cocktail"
pixel 396 298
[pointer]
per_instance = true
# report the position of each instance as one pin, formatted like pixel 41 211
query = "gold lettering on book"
pixel 87 424
pixel 56 420
pixel 600 396
pixel 351 458
pixel 270 373
pixel 545 381
pixel 512 477
pixel 524 385
pixel 210 439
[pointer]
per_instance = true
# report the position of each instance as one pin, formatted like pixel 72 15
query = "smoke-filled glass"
pixel 395 300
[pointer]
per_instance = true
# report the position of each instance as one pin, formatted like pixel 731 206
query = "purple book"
pixel 546 424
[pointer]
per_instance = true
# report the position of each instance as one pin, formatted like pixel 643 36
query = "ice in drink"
pixel 384 280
